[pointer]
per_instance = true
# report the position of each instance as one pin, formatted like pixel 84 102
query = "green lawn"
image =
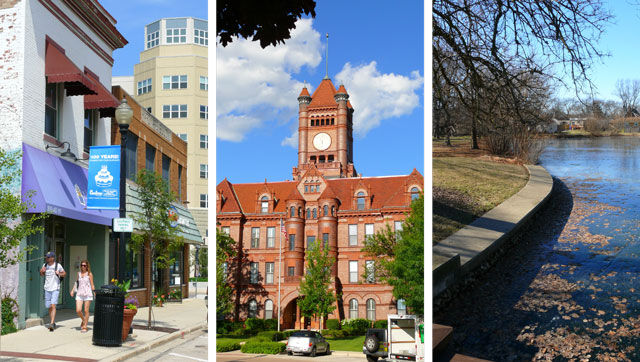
pixel 353 344
pixel 465 188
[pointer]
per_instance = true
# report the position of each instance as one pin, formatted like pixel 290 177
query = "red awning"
pixel 104 101
pixel 60 69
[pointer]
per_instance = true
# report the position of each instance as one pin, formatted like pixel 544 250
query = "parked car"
pixel 307 342
pixel 375 344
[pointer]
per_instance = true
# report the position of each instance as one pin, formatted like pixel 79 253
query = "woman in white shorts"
pixel 84 288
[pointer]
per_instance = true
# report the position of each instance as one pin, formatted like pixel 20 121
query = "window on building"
pixel 176 31
pixel 253 308
pixel 51 110
pixel 292 242
pixel 201 35
pixel 292 211
pixel 153 34
pixel 149 109
pixel 175 269
pixel 310 240
pixel 371 309
pixel 204 171
pixel 131 156
pixel 353 271
pixel 264 204
pixel 368 230
pixel 269 268
pixel 291 271
pixel 150 158
pixel 255 237
pixel 174 111
pixel 144 86
pixel 325 240
pixel 397 226
pixel 166 166
pixel 371 271
pixel 299 212
pixel 204 112
pixel 268 309
pixel 353 234
pixel 333 211
pixel 314 214
pixel 254 273
pixel 204 200
pixel 271 237
pixel 174 82
pixel 90 122
pixel 183 136
pixel 330 158
pixel 179 182
pixel 401 306
pixel 204 141
pixel 204 83
pixel 360 200
pixel 415 193
pixel 308 213
pixel 325 210
pixel 353 309
pixel 134 266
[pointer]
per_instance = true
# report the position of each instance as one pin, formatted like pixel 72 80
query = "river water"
pixel 569 288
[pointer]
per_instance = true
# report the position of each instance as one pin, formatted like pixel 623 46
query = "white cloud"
pixel 255 85
pixel 292 140
pixel 375 96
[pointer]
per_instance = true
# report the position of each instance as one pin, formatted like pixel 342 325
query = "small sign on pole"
pixel 122 225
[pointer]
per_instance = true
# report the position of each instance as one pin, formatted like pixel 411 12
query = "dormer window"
pixel 360 200
pixel 415 193
pixel 264 202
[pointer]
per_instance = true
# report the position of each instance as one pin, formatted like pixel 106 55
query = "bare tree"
pixel 628 91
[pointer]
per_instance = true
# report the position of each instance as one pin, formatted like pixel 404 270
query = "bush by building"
pixel 274 336
pixel 380 324
pixel 9 313
pixel 227 346
pixel 356 327
pixel 333 324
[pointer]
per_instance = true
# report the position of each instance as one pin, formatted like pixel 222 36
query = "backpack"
pixel 54 270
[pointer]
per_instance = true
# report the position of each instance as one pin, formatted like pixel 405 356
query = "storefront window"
pixel 175 270
pixel 134 267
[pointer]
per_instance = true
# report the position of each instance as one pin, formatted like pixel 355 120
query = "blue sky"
pixel 619 41
pixel 375 48
pixel 133 15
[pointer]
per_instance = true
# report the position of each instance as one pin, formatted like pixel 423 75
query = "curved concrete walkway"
pixel 465 250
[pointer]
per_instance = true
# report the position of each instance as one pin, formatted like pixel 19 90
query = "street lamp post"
pixel 123 117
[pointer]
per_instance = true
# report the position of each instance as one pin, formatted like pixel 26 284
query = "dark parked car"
pixel 308 342
pixel 375 344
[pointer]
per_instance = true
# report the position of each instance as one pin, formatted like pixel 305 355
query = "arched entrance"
pixel 290 315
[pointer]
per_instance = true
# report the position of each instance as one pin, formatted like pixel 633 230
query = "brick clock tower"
pixel 325 132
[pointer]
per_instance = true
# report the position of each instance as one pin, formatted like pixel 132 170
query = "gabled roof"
pixel 323 95
pixel 328 193
pixel 231 203
pixel 246 194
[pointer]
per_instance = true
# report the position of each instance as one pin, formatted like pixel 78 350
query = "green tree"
pixel 157 236
pixel 400 258
pixel 225 251
pixel 15 226
pixel 318 299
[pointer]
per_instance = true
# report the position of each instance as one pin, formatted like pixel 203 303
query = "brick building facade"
pixel 327 201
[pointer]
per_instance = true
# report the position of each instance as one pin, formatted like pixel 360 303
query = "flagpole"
pixel 279 271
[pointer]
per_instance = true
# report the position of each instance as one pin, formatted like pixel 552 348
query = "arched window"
pixel 268 309
pixel 402 308
pixel 332 121
pixel 314 214
pixel 325 210
pixel 371 309
pixel 292 211
pixel 253 308
pixel 299 212
pixel 264 201
pixel 308 213
pixel 415 193
pixel 322 122
pixel 360 200
pixel 333 211
pixel 353 309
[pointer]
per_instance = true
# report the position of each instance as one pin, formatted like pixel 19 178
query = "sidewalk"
pixel 68 343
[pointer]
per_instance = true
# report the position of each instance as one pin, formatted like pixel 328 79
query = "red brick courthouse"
pixel 327 202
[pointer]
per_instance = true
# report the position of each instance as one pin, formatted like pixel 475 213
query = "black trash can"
pixel 107 317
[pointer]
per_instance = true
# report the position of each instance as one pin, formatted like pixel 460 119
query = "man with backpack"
pixel 53 273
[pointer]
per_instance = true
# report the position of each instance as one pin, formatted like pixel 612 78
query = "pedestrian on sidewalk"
pixel 84 289
pixel 52 272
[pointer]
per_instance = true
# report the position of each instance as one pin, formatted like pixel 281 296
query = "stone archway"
pixel 290 315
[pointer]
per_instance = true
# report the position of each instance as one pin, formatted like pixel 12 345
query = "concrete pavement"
pixel 68 343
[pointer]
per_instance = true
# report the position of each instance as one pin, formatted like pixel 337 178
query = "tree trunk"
pixel 474 133
pixel 150 284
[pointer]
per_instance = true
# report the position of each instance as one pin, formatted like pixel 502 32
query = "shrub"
pixel 333 333
pixel 270 325
pixel 274 336
pixel 227 346
pixel 356 326
pixel 254 325
pixel 263 347
pixel 349 331
pixel 259 339
pixel 9 313
pixel 240 332
pixel 333 324
pixel 380 324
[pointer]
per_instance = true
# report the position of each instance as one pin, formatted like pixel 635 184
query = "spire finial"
pixel 327 59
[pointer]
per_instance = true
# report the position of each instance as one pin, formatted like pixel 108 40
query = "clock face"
pixel 321 141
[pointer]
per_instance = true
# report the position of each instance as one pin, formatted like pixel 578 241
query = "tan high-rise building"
pixel 172 82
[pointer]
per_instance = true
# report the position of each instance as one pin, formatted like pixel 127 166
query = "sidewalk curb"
pixel 155 343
